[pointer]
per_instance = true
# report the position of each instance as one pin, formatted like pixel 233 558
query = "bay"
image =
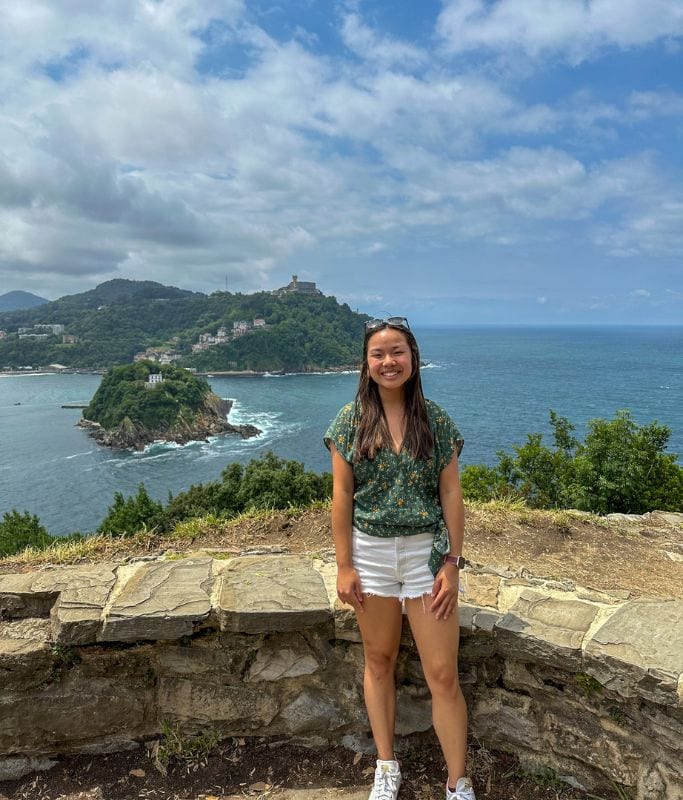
pixel 498 384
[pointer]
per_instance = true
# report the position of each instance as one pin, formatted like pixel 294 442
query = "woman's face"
pixel 389 359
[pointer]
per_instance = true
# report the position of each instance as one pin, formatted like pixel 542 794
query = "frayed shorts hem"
pixel 395 566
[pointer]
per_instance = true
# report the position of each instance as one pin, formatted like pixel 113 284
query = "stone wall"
pixel 95 658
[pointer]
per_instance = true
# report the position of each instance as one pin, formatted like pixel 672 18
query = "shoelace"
pixel 385 787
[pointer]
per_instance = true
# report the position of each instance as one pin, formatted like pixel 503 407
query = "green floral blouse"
pixel 396 495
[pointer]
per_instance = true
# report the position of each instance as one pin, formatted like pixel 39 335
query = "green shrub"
pixel 621 467
pixel 268 482
pixel 128 515
pixel 18 531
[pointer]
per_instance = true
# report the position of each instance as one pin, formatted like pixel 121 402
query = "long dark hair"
pixel 372 431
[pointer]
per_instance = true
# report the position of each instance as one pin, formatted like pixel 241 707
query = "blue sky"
pixel 459 161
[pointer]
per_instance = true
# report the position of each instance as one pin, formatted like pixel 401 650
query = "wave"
pixel 25 374
pixel 304 374
pixel 76 455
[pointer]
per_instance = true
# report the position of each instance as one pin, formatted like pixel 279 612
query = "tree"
pixel 129 515
pixel 18 531
pixel 268 482
pixel 621 467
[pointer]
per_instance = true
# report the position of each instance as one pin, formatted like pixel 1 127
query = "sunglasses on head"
pixel 394 322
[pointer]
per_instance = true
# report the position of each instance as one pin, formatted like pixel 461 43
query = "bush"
pixel 268 482
pixel 128 515
pixel 621 467
pixel 18 531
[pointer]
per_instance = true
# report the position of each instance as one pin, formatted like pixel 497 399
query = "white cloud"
pixel 384 50
pixel 136 163
pixel 576 28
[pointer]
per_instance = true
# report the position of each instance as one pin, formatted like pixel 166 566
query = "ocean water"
pixel 498 385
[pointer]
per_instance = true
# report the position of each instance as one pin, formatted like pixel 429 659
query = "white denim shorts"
pixel 393 566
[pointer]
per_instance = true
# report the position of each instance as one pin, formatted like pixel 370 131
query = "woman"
pixel 398 525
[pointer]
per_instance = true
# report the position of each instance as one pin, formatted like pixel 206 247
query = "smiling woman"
pixel 398 527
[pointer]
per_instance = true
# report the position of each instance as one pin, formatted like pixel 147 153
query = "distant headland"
pixel 294 328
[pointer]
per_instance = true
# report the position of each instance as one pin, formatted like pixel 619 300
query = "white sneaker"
pixel 463 790
pixel 387 781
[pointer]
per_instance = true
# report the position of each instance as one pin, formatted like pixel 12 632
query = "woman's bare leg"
pixel 380 626
pixel 437 644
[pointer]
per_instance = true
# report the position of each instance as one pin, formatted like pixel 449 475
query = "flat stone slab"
pixel 73 597
pixel 260 595
pixel 160 600
pixel 77 613
pixel 545 629
pixel 639 650
pixel 19 600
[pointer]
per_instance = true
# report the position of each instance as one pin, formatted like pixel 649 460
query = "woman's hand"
pixel 445 591
pixel 348 587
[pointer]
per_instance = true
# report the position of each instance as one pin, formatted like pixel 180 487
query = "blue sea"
pixel 498 384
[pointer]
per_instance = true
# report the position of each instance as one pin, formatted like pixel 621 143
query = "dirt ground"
pixel 643 557
pixel 615 556
pixel 258 769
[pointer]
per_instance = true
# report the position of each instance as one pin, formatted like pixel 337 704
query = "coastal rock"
pixel 211 420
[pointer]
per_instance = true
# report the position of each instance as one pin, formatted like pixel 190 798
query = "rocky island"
pixel 141 403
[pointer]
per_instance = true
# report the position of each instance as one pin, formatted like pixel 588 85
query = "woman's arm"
pixel 445 591
pixel 348 582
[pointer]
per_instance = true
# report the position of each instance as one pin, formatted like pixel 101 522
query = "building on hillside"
pixel 295 286
pixel 56 330
pixel 240 327
pixel 69 338
pixel 153 379
pixel 3 334
pixel 168 357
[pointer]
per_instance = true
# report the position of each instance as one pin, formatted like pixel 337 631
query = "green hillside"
pixel 121 318
pixel 123 393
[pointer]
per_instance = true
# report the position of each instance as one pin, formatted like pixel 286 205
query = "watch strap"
pixel 457 561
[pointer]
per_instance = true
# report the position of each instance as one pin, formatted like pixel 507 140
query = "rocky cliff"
pixel 209 420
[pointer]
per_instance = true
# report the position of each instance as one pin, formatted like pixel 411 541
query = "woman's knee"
pixel 443 679
pixel 380 664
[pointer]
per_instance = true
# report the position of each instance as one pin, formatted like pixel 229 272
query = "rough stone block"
pixel 312 710
pixel 237 709
pixel 506 719
pixel 639 650
pixel 480 589
pixel 345 623
pixel 160 600
pixel 77 613
pixel 272 594
pixel 544 629
pixel 276 660
pixel 70 714
pixel 18 599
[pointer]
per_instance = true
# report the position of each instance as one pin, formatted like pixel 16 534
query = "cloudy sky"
pixel 458 161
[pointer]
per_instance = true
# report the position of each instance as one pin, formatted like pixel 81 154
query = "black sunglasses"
pixel 394 322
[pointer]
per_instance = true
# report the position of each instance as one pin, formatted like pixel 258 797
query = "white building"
pixel 154 379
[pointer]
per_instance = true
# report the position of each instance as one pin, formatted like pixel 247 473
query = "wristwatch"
pixel 457 561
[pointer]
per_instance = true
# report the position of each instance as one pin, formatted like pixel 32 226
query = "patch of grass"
pixel 177 749
pixel 587 685
pixel 545 777
pixel 63 659
pixel 617 714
